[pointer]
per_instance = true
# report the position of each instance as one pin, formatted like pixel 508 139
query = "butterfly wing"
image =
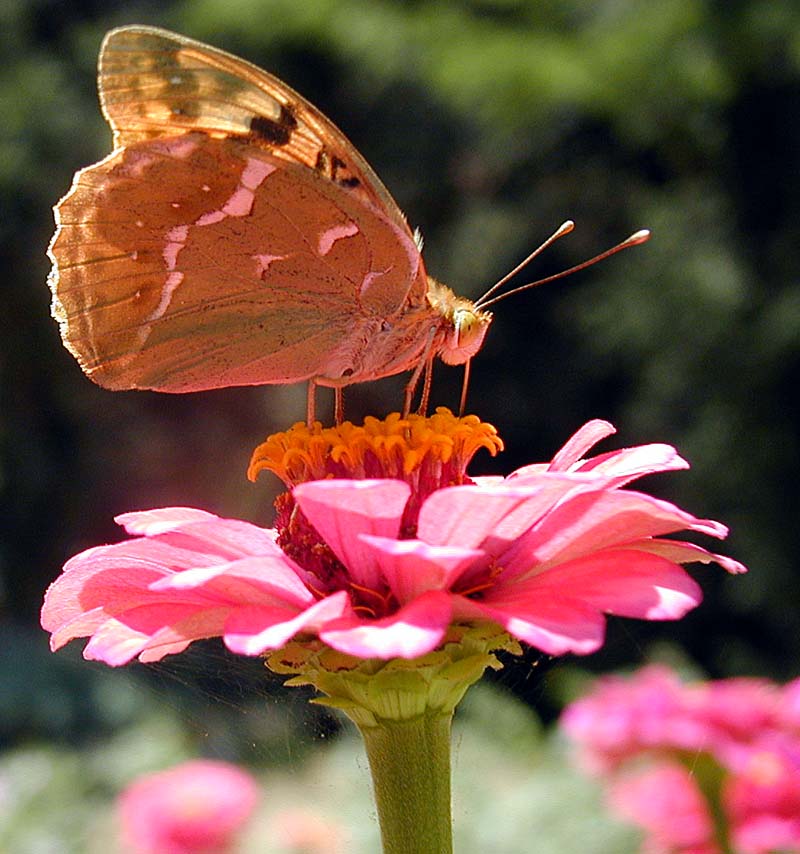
pixel 202 253
pixel 156 83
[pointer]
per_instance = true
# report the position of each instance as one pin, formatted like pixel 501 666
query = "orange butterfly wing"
pixel 156 83
pixel 233 237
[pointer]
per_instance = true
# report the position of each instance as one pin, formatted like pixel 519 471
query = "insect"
pixel 234 236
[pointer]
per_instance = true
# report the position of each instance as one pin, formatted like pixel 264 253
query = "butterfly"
pixel 234 236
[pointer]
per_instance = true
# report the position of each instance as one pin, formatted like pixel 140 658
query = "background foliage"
pixel 491 121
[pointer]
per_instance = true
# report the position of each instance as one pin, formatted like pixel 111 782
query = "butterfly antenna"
pixel 634 240
pixel 563 229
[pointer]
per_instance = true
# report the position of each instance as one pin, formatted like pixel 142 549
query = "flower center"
pixel 428 453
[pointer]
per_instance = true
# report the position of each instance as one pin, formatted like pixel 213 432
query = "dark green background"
pixel 491 123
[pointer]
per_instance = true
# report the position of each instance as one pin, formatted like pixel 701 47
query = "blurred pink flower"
pixel 304 831
pixel 666 803
pixel 734 713
pixel 380 568
pixel 790 706
pixel 740 736
pixel 763 797
pixel 198 807
pixel 621 717
pixel 654 711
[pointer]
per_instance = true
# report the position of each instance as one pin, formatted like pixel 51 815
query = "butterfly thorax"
pixel 463 325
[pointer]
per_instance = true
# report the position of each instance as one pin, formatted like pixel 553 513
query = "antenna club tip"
pixel 640 236
pixel 565 227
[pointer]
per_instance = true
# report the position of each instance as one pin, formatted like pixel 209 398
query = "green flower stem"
pixel 709 777
pixel 410 765
pixel 403 709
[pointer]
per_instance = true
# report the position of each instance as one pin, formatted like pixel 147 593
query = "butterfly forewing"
pixel 155 83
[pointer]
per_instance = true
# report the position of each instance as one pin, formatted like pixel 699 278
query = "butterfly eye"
pixel 467 334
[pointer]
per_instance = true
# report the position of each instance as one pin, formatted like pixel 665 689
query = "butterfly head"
pixel 464 325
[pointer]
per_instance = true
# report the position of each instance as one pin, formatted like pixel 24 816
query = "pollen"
pixel 428 452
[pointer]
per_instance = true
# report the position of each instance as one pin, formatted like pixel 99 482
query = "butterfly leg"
pixel 311 403
pixel 464 386
pixel 425 397
pixel 411 387
pixel 338 405
pixel 426 361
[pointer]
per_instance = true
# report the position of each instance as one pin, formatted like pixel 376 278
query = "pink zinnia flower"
pixel 621 717
pixel 665 801
pixel 654 711
pixel 790 706
pixel 198 807
pixel 304 831
pixel 763 797
pixel 739 739
pixel 384 543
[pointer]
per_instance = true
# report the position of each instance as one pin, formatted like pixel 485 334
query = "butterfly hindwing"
pixel 192 262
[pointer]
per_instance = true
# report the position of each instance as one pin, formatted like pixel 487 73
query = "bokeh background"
pixel 491 121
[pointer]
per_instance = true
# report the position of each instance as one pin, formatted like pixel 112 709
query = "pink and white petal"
pixel 224 539
pixel 680 551
pixel 111 577
pixel 178 635
pixel 583 440
pixel 412 567
pixel 487 517
pixel 529 472
pixel 115 643
pixel 628 464
pixel 340 510
pixel 122 638
pixel 590 521
pixel 414 630
pixel 624 582
pixel 80 626
pixel 488 480
pixel 149 523
pixel 157 556
pixel 161 650
pixel 614 468
pixel 253 630
pixel 554 624
pixel 263 580
pixel 576 481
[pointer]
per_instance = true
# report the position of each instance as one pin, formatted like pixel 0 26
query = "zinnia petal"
pixel 148 523
pixel 591 521
pixel 489 517
pixel 412 567
pixel 251 631
pixel 262 580
pixel 199 531
pixel 580 442
pixel 120 639
pixel 553 623
pixel 624 582
pixel 342 510
pixel 683 552
pixel 414 630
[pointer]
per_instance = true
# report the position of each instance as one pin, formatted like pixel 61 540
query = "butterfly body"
pixel 235 237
